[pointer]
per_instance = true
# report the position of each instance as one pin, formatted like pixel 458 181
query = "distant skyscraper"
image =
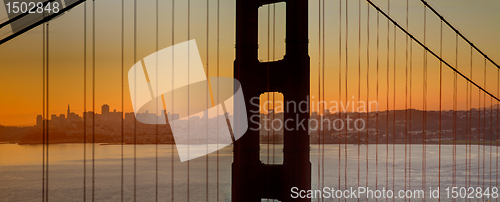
pixel 39 121
pixel 105 111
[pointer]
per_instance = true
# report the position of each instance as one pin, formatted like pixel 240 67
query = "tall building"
pixel 39 121
pixel 105 111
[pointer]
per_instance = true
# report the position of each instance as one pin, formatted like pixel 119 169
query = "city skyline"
pixel 322 127
pixel 105 110
pixel 106 114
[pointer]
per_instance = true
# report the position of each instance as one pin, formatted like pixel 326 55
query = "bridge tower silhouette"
pixel 251 179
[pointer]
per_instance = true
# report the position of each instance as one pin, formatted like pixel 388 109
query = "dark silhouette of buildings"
pixel 68 128
pixel 110 132
pixel 71 119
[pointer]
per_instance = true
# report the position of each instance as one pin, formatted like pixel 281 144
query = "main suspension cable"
pixel 460 34
pixel 432 53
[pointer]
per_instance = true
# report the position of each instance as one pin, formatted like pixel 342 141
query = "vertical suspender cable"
pixel 456 63
pixel 43 113
pixel 47 111
pixel 346 95
pixel 454 151
pixel 173 110
pixel 410 129
pixel 440 99
pixel 456 132
pixel 135 98
pixel 469 155
pixel 467 134
pixel 424 103
pixel 479 141
pixel 367 89
pixel 45 130
pixel 188 92
pixel 484 120
pixel 466 118
pixel 218 49
pixel 394 120
pixel 340 87
pixel 470 123
pixel 455 129
pixel 496 137
pixel 85 114
pixel 320 112
pixel 359 86
pixel 387 105
pixel 93 101
pixel 491 133
pixel 156 107
pixel 44 116
pixel 406 93
pixel 207 94
pixel 323 92
pixel 320 123
pixel 376 121
pixel 122 104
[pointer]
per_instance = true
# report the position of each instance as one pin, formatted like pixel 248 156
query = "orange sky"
pixel 21 58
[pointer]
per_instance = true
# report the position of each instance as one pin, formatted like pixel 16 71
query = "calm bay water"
pixel 21 170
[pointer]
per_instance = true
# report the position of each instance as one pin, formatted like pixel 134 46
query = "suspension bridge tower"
pixel 251 179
